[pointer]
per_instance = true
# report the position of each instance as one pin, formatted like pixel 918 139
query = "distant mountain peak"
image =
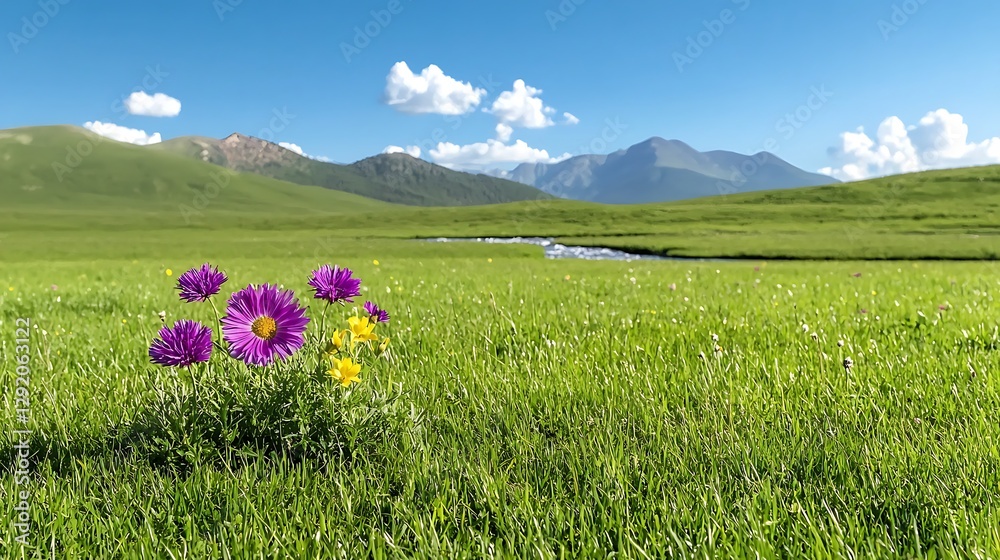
pixel 660 170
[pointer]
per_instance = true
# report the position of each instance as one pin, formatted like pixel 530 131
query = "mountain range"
pixel 656 170
pixel 397 178
pixel 659 170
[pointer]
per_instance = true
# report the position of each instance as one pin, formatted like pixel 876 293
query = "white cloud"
pixel 489 153
pixel 122 134
pixel 156 105
pixel 570 118
pixel 411 150
pixel 298 150
pixel 521 107
pixel 504 132
pixel 292 147
pixel 429 92
pixel 939 140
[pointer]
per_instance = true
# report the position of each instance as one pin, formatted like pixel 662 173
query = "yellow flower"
pixel 345 371
pixel 489 260
pixel 170 272
pixel 336 343
pixel 383 346
pixel 10 288
pixel 375 262
pixel 362 329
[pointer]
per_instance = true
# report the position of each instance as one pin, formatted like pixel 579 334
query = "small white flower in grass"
pixel 848 364
pixel 814 336
pixel 840 344
pixel 715 337
pixel 805 328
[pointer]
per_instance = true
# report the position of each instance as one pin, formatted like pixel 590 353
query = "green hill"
pixel 63 170
pixel 395 178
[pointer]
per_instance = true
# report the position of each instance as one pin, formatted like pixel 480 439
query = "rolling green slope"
pixel 67 171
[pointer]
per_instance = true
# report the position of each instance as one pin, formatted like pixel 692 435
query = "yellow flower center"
pixel 264 327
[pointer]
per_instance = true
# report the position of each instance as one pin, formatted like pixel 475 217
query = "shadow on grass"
pixel 229 423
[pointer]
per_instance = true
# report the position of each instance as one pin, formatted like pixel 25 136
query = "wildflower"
pixel 199 284
pixel 185 343
pixel 336 342
pixel 383 346
pixel 169 272
pixel 840 344
pixel 672 287
pixel 53 287
pixel 814 336
pixel 362 329
pixel 263 323
pixel 805 328
pixel 377 314
pixel 715 337
pixel 848 364
pixel 345 371
pixel 375 262
pixel 335 284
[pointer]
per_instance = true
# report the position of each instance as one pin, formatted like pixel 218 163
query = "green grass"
pixel 530 408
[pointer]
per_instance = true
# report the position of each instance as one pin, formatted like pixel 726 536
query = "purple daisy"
pixel 335 284
pixel 263 323
pixel 199 284
pixel 185 343
pixel 379 315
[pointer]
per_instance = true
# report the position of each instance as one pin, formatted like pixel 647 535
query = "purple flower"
pixel 379 315
pixel 185 343
pixel 199 284
pixel 335 284
pixel 263 323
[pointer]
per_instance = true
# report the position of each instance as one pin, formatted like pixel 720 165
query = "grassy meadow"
pixel 528 408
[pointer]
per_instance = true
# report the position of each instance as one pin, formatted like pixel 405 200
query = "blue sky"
pixel 232 64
